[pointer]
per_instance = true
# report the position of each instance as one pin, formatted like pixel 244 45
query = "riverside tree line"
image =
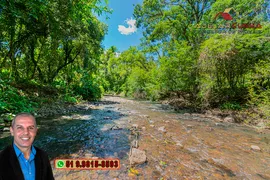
pixel 59 44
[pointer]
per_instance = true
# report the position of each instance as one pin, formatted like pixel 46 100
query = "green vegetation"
pixel 52 47
pixel 56 45
pixel 226 67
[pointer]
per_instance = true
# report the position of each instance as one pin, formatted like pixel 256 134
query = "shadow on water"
pixel 82 133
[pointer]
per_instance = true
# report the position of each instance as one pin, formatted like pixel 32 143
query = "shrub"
pixel 14 100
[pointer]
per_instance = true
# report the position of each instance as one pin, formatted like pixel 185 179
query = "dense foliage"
pixel 188 50
pixel 191 53
pixel 55 43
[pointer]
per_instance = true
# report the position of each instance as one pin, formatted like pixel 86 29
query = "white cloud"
pixel 130 29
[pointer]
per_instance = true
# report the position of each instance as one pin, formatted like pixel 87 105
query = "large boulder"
pixel 137 156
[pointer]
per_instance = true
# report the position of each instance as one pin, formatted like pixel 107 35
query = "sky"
pixel 122 31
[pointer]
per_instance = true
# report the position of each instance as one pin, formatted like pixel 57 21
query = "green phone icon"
pixel 60 164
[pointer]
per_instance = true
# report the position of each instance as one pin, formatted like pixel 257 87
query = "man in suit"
pixel 22 160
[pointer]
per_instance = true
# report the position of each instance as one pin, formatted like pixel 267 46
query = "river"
pixel 177 146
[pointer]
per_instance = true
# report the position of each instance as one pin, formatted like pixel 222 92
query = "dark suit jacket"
pixel 10 168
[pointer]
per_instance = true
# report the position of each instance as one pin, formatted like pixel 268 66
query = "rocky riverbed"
pixel 153 142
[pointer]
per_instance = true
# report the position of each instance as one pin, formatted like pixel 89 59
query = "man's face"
pixel 24 131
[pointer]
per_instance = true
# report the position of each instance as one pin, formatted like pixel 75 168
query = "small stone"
pixel 209 129
pixel 143 128
pixel 107 118
pixel 135 126
pixel 158 168
pixel 116 128
pixel 162 129
pixel 216 119
pixel 152 125
pixel 219 124
pixel 229 119
pixel 255 148
pixel 179 144
pixel 167 121
pixel 189 126
pixel 151 122
pixel 186 114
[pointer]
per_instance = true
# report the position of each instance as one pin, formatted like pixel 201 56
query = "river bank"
pixel 251 117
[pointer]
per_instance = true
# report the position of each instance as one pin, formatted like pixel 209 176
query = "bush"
pixel 259 91
pixel 13 100
pixel 225 64
pixel 89 88
pixel 231 106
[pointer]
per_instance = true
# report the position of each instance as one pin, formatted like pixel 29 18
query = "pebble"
pixel 179 144
pixel 255 148
pixel 135 126
pixel 186 114
pixel 189 126
pixel 152 125
pixel 229 119
pixel 162 129
pixel 219 124
pixel 107 118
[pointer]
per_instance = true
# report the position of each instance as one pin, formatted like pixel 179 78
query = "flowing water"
pixel 177 146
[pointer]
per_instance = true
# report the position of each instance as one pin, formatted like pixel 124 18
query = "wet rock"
pixel 255 148
pixel 229 119
pixel 137 156
pixel 115 128
pixel 107 118
pixel 162 129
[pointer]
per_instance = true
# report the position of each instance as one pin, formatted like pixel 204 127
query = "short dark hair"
pixel 24 114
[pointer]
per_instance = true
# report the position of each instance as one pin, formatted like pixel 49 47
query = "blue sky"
pixel 121 31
